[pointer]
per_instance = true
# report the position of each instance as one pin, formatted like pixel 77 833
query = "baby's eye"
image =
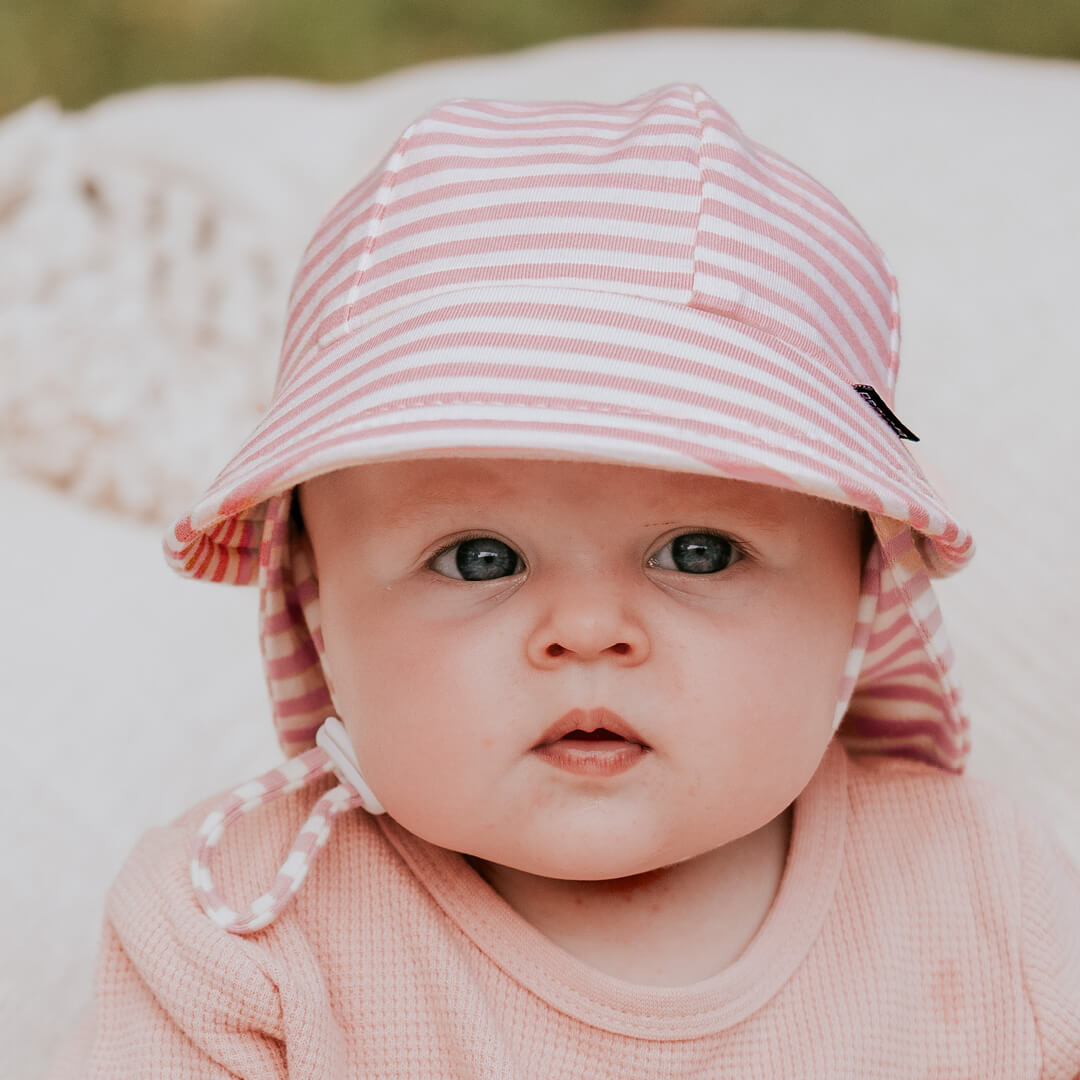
pixel 482 558
pixel 696 553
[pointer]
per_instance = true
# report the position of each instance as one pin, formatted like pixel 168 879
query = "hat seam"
pixel 385 190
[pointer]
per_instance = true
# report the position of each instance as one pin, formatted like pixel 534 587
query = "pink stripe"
pixel 293 736
pixel 246 569
pixel 897 545
pixel 881 638
pixel 205 557
pixel 939 729
pixel 903 691
pixel 277 623
pixel 282 887
pixel 307 842
pixel 273 781
pixel 921 670
pixel 305 591
pixel 285 667
pixel 656 216
pixel 666 186
pixel 221 565
pixel 938 757
pixel 303 704
pixel 272 577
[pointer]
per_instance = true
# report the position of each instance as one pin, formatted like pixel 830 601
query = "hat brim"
pixel 526 371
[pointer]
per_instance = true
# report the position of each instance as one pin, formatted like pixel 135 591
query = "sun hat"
pixel 637 283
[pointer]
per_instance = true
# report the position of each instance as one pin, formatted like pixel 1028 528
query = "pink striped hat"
pixel 636 283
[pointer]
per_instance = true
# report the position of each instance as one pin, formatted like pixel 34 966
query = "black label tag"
pixel 870 395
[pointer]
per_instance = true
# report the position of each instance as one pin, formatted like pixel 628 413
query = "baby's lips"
pixel 589 720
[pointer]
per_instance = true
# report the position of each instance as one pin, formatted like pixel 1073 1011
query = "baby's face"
pixel 483 618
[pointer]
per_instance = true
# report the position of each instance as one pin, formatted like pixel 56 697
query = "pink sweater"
pixel 922 928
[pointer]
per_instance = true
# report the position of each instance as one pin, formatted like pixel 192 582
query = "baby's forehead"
pixel 408 490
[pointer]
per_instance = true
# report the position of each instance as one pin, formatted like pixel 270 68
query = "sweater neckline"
pixel 604 1001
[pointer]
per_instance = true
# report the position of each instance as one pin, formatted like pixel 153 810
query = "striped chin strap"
pixel 334 753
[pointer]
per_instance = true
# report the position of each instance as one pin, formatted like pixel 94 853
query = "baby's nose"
pixel 587 624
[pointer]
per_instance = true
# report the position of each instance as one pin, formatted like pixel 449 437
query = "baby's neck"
pixel 669 927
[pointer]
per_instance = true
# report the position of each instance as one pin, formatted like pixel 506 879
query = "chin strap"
pixel 332 755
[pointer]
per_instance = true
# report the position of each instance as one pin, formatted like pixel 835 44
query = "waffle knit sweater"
pixel 923 927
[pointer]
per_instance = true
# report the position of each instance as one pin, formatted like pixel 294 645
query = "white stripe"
pixel 480 197
pixel 262 904
pixel 200 877
pixel 223 916
pixel 640 233
pixel 294 865
pixel 562 177
pixel 212 823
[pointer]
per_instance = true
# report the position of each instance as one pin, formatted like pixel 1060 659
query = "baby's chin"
pixel 632 855
pixel 617 876
pixel 597 863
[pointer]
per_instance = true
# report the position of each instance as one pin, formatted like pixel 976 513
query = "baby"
pixel 597 624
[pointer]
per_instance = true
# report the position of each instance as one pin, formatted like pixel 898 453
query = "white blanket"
pixel 145 250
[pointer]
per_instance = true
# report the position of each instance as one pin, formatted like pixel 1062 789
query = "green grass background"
pixel 77 52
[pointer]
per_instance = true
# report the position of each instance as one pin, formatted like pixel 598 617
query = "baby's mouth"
pixel 599 727
pixel 599 735
pixel 593 743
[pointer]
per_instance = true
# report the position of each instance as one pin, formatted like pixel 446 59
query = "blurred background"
pixel 79 52
pixel 146 249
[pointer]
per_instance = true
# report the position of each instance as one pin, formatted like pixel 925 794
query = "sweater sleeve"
pixel 1051 944
pixel 174 994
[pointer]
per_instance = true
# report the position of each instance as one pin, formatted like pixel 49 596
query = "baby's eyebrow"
pixel 419 511
pixel 739 518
